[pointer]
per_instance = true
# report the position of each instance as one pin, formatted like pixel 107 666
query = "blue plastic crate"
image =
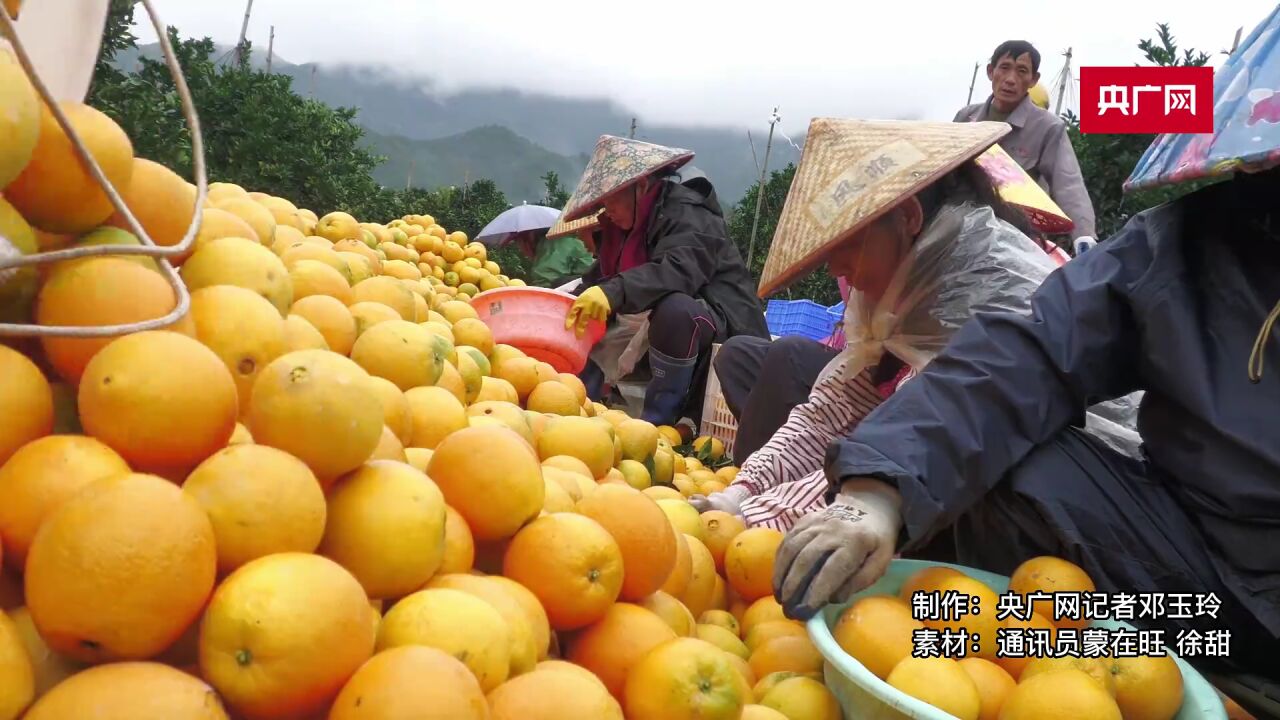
pixel 799 317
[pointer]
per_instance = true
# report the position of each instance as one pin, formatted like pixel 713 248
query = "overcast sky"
pixel 716 63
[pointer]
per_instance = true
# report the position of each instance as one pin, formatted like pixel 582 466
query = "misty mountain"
pixel 506 135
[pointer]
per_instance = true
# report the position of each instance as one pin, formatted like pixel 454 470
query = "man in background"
pixel 1039 141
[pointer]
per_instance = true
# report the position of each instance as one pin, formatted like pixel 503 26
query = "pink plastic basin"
pixel 532 320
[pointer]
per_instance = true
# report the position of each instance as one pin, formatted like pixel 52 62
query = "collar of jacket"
pixel 1020 115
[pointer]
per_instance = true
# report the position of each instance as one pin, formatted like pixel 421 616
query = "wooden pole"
pixel 633 129
pixel 408 182
pixel 241 55
pixel 271 45
pixel 764 168
pixel 973 83
pixel 1062 87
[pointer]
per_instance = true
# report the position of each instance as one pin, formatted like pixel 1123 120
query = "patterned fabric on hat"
pixel 615 164
pixel 1246 120
pixel 1018 189
pixel 853 171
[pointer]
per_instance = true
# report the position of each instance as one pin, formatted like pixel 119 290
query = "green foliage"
pixel 818 286
pixel 557 196
pixel 1107 160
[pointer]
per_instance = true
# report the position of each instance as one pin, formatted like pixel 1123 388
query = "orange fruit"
pixel 877 631
pixel 130 691
pixel 162 400
pixel 17 677
pixel 240 262
pixel 283 633
pixel 497 389
pixel 720 618
pixel 1060 695
pixel 1147 686
pixel 611 646
pixel 802 698
pixel 795 654
pixel 939 681
pixel 642 532
pixel 412 681
pixel 552 695
pixel 491 477
pixel 456 622
pixel 451 380
pixel 1016 664
pixel 317 406
pixel 568 464
pixel 926 579
pixel 368 314
pixel 388 291
pixel 216 224
pixel 389 448
pixel 55 191
pixel 571 563
pixel 662 492
pixel 748 562
pixel 1100 669
pixel 673 613
pixel 400 351
pixel 386 525
pixel 684 679
pixel 435 414
pixel 760 712
pixel 459 546
pixel 724 639
pixel 744 669
pixel 993 685
pixel 160 200
pixel 418 458
pixel 302 335
pixel 1048 574
pixel 49 668
pixel 702 577
pixel 565 666
pixel 260 501
pixel 719 529
pixel 533 612
pixel 766 631
pixel 121 569
pixel 720 597
pixel 331 317
pixel 761 611
pixel 580 438
pixel 980 618
pixel 26 403
pixel 678 581
pixel 99 291
pixel 571 484
pixel 258 217
pixel 575 384
pixel 40 477
pixel 523 650
pixel 311 277
pixel 395 409
pixel 684 518
pixel 243 329
pixel 556 498
pixel 554 398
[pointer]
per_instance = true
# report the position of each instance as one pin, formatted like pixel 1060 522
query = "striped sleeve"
pixel 796 450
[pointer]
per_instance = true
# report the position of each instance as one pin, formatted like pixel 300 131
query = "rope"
pixel 1260 345
pixel 149 248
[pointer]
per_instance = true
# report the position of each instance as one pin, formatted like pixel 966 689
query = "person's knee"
pixel 674 310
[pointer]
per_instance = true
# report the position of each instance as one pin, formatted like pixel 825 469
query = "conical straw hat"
pixel 1018 189
pixel 562 228
pixel 63 37
pixel 852 172
pixel 616 164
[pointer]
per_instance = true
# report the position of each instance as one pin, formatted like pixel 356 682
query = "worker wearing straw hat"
pixel 978 453
pixel 663 249
pixel 931 243
pixel 1039 139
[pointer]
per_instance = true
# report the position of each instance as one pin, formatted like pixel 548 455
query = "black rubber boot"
pixel 665 396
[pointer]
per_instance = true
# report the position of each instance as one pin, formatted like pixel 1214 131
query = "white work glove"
pixel 832 554
pixel 716 501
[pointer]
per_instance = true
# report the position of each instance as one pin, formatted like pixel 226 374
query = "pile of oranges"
pixel 327 492
pixel 878 631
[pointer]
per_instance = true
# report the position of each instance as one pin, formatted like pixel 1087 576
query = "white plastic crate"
pixel 717 421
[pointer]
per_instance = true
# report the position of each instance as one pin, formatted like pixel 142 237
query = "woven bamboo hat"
pixel 617 164
pixel 562 228
pixel 854 171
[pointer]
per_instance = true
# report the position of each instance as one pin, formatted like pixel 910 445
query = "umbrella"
pixel 521 218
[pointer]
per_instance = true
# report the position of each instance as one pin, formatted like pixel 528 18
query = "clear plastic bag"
pixel 966 261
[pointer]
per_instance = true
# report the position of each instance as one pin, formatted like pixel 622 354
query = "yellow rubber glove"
pixel 590 305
